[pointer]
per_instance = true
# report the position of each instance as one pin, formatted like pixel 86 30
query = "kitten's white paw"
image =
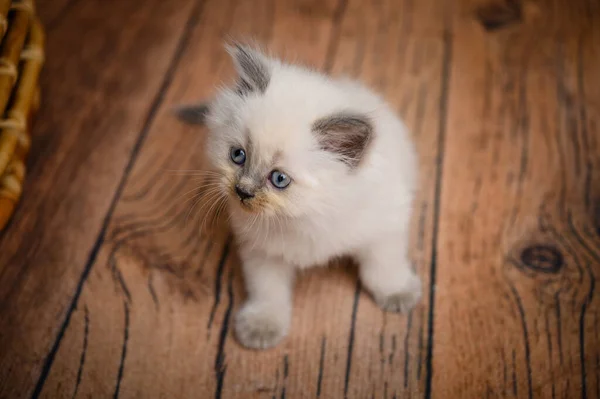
pixel 259 327
pixel 404 299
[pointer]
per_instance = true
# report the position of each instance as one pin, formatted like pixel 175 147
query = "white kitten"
pixel 312 168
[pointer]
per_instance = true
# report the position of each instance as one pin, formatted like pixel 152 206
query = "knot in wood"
pixel 542 258
pixel 498 14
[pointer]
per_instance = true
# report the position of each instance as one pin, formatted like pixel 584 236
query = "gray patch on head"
pixel 256 167
pixel 250 178
pixel 192 114
pixel 344 134
pixel 253 68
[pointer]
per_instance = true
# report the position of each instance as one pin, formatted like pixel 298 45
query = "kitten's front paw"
pixel 403 300
pixel 259 327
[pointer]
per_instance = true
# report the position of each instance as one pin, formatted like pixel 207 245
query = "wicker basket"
pixel 21 59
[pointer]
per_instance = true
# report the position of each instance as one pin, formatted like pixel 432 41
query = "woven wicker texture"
pixel 21 59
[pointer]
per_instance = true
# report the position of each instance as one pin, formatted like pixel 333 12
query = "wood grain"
pixel 115 282
pixel 96 98
pixel 408 63
pixel 160 293
pixel 516 305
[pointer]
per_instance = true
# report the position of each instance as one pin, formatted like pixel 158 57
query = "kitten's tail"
pixel 192 114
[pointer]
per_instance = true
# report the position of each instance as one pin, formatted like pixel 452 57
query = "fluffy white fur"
pixel 329 209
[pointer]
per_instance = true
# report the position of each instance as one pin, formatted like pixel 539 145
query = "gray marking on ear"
pixel 243 88
pixel 345 134
pixel 192 114
pixel 252 66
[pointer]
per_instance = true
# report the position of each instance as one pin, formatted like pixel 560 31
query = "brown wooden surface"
pixel 92 114
pixel 521 244
pixel 110 288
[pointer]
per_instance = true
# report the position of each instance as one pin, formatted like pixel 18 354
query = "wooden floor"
pixel 108 287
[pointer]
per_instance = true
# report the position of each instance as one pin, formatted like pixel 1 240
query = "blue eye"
pixel 238 156
pixel 280 179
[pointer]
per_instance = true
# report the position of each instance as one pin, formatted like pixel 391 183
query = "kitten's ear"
pixel 192 114
pixel 252 66
pixel 345 134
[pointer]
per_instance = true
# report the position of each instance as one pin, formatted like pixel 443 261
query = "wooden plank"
pixel 400 49
pixel 516 305
pixel 153 316
pixel 95 99
pixel 161 294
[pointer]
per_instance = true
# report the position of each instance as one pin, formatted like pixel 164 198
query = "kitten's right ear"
pixel 345 134
pixel 252 66
pixel 192 114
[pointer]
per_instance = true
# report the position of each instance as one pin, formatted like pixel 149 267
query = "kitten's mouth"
pixel 247 203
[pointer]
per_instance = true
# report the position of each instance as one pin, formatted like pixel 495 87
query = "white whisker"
pixel 203 188
pixel 212 195
pixel 208 213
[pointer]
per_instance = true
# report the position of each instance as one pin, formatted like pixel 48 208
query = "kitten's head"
pixel 283 138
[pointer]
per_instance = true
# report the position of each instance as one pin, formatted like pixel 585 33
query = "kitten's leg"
pixel 264 318
pixel 387 274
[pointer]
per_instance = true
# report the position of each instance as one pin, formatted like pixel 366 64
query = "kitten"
pixel 312 168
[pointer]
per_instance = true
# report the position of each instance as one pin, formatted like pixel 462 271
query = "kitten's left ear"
pixel 346 135
pixel 252 66
pixel 192 114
